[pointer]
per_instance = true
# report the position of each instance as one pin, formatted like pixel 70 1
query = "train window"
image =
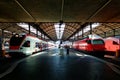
pixel 88 41
pixel 40 45
pixel 26 44
pixel 97 41
pixel 37 44
pixel 115 43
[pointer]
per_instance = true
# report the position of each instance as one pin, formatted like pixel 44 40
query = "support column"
pixel 0 46
pixel 44 37
pixel 77 35
pixel 12 33
pixel 74 37
pixel 2 35
pixel 41 36
pixel 114 32
pixel 82 33
pixel 29 28
pixel 90 28
pixel 105 34
pixel 2 49
pixel 36 31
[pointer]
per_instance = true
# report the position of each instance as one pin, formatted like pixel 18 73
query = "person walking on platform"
pixel 67 50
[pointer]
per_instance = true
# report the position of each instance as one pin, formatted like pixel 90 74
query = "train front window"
pixel 26 44
pixel 115 43
pixel 88 41
pixel 97 41
pixel 16 40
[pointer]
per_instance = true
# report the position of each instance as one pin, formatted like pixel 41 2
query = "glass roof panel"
pixel 25 26
pixel 87 28
pixel 59 29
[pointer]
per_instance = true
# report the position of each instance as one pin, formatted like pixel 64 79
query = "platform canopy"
pixel 73 14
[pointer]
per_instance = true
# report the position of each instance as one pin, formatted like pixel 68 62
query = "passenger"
pixel 67 50
pixel 59 46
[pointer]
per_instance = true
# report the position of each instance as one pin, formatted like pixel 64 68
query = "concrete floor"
pixel 55 64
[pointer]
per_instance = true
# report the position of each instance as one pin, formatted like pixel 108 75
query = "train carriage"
pixel 94 46
pixel 112 45
pixel 26 44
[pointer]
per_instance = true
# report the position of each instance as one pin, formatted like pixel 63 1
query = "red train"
pixel 112 45
pixel 91 45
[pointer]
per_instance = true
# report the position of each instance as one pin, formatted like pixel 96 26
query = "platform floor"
pixel 55 64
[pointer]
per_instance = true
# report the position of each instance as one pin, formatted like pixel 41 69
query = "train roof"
pixel 25 35
pixel 113 39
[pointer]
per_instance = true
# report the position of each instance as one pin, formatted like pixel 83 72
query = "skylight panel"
pixel 59 29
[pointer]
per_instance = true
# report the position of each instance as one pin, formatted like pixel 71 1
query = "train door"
pixel 37 46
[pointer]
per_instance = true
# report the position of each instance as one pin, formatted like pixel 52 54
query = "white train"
pixel 26 44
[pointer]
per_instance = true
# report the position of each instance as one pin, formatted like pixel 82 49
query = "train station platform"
pixel 6 63
pixel 56 64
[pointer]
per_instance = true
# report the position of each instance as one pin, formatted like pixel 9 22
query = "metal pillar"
pixel 90 28
pixel 29 28
pixel 1 43
pixel 41 36
pixel 78 36
pixel 12 33
pixel 105 34
pixel 2 35
pixel 114 32
pixel 44 37
pixel 82 33
pixel 1 47
pixel 74 37
pixel 36 31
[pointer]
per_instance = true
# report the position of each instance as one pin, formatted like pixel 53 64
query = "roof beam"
pixel 107 26
pixel 98 10
pixel 41 30
pixel 80 27
pixel 25 10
